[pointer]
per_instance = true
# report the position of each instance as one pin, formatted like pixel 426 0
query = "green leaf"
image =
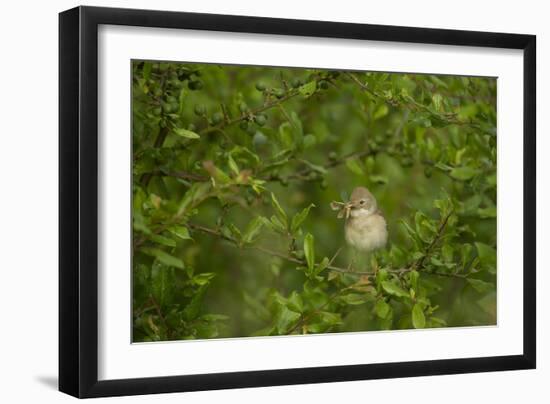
pixel 286 135
pixel 299 218
pixel 214 317
pixel 487 213
pixel 188 134
pixel 235 232
pixel 381 276
pixel 424 228
pixel 394 289
pixel 463 173
pixel 309 251
pixel 278 225
pixel 233 165
pixel 437 322
pixel 162 283
pixel 487 256
pixel 242 152
pixel 413 278
pixel 147 70
pixel 436 101
pixel 437 81
pixel 180 231
pixel 252 230
pixel 192 310
pixel 479 285
pixel 418 318
pixel 409 230
pixel 218 175
pixel 330 318
pixel 444 206
pixel 285 319
pixel 447 252
pixel 308 89
pixel 314 167
pixel 382 309
pixel 465 254
pixel 203 278
pixel 196 194
pixel 322 265
pixel 380 112
pixel 379 179
pixel 295 302
pixel 355 298
pixel 355 166
pixel 278 209
pixel 157 238
pixel 163 257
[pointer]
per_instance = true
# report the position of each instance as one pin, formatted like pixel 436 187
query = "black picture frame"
pixel 78 200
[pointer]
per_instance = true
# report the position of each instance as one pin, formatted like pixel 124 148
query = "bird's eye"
pixel 362 201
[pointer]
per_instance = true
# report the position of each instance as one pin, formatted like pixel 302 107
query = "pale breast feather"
pixel 367 233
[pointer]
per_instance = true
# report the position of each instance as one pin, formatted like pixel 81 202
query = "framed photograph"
pixel 251 201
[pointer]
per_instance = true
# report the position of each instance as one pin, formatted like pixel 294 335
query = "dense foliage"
pixel 234 170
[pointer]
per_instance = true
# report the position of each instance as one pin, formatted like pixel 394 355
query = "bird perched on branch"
pixel 365 227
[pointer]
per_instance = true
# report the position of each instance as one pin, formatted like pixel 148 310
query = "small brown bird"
pixel 365 227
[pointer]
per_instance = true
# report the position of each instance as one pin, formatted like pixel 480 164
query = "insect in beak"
pixel 344 209
pixel 347 208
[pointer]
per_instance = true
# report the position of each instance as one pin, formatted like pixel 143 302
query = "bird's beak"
pixel 347 209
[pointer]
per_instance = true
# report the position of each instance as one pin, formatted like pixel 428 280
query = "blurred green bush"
pixel 234 169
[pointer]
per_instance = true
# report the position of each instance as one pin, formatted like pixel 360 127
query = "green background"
pixel 228 162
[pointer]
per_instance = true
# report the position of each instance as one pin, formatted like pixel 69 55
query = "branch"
pixel 250 114
pixel 159 141
pixel 435 240
pixel 268 251
pixel 161 137
pixel 298 261
pixel 181 174
pixel 303 319
pixel 302 175
pixel 449 118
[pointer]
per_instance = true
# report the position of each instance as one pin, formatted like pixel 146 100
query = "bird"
pixel 365 228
